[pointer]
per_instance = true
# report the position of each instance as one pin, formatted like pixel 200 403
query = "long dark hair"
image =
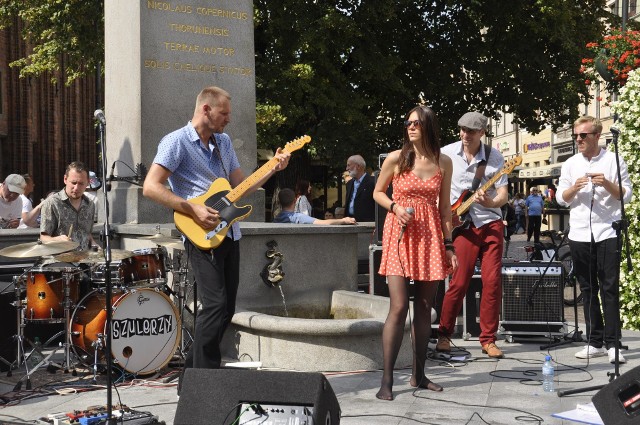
pixel 430 138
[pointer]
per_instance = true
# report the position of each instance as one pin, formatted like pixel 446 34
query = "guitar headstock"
pixel 512 163
pixel 296 144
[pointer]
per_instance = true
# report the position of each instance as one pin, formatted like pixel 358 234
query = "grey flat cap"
pixel 473 121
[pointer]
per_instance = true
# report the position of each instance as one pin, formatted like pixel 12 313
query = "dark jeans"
pixel 597 268
pixel 535 221
pixel 217 274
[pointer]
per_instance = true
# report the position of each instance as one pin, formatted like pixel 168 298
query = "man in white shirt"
pixel 589 186
pixel 10 202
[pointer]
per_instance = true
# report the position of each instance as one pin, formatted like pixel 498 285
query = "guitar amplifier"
pixel 532 304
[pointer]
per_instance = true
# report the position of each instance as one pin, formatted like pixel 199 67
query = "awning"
pixel 551 171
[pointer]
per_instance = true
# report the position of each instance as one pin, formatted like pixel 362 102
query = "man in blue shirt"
pixel 287 199
pixel 535 210
pixel 190 159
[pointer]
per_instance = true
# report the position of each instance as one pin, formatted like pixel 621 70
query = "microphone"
pixel 411 211
pixel 99 115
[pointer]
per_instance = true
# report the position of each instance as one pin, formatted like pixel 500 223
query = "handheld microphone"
pixel 99 115
pixel 411 211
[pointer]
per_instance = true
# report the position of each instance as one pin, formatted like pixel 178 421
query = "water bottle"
pixel 36 356
pixel 547 375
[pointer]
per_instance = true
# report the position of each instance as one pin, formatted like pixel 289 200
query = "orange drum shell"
pixel 45 293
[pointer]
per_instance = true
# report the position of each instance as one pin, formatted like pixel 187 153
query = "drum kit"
pixel 67 286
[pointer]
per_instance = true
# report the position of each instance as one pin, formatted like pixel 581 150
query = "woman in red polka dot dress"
pixel 423 251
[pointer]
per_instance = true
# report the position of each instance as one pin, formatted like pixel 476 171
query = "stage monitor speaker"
pixel 381 213
pixel 532 303
pixel 222 396
pixel 618 402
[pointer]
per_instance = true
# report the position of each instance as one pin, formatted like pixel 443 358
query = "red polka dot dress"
pixel 420 255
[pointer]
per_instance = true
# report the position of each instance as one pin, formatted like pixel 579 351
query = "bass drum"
pixel 145 329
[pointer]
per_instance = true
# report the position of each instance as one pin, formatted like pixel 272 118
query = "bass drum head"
pixel 145 329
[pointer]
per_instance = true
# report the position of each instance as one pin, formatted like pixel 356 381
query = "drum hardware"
pixel 97 347
pixel 39 249
pixel 181 295
pixel 92 257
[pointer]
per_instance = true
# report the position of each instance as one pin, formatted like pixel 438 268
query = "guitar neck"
pixel 467 204
pixel 247 183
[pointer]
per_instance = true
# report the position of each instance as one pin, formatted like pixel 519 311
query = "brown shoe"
pixel 492 351
pixel 444 344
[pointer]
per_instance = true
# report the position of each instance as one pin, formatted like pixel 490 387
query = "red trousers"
pixel 485 243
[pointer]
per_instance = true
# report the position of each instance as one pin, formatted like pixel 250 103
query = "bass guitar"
pixel 222 198
pixel 460 208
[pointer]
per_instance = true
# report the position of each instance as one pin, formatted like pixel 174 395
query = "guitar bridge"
pixel 214 232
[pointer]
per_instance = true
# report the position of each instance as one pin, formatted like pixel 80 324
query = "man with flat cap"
pixel 480 236
pixel 10 202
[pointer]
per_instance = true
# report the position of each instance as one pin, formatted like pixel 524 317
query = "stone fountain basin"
pixel 350 340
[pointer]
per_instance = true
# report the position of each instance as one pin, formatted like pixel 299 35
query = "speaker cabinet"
pixel 216 396
pixel 618 402
pixel 381 213
pixel 532 304
pixel 377 283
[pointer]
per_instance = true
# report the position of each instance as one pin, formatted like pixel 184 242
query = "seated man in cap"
pixel 287 199
pixel 481 237
pixel 10 202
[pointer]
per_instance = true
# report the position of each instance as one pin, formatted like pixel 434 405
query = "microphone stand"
pixel 619 226
pixel 107 257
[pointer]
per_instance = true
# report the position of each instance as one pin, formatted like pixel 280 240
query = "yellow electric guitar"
pixel 461 207
pixel 221 198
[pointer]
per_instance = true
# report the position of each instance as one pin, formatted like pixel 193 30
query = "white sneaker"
pixel 612 356
pixel 589 352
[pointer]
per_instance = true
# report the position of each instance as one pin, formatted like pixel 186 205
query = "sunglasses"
pixel 582 135
pixel 415 123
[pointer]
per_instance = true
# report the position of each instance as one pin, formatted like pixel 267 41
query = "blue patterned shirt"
pixel 195 167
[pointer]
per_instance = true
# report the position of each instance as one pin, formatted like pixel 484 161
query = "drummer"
pixel 68 214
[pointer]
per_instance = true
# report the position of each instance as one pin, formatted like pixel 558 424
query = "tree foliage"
pixel 65 35
pixel 346 71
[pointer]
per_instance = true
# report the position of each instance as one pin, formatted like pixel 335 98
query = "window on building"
pixel 632 7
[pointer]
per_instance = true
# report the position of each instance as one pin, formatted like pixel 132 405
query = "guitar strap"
pixel 214 140
pixel 480 170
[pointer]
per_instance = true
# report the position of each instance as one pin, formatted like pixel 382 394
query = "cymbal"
pixel 166 241
pixel 92 257
pixel 38 249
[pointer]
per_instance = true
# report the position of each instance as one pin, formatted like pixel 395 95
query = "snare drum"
pixel 46 291
pixel 145 329
pixel 147 268
pixel 99 274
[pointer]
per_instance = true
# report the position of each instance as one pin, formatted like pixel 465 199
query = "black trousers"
pixel 597 268
pixel 217 274
pixel 535 221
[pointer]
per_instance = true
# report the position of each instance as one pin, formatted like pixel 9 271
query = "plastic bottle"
pixel 36 356
pixel 547 375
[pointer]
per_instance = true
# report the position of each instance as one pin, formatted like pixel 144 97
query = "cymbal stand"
pixel 67 323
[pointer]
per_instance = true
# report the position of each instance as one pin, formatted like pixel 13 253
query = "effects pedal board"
pixel 274 414
pixel 99 416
